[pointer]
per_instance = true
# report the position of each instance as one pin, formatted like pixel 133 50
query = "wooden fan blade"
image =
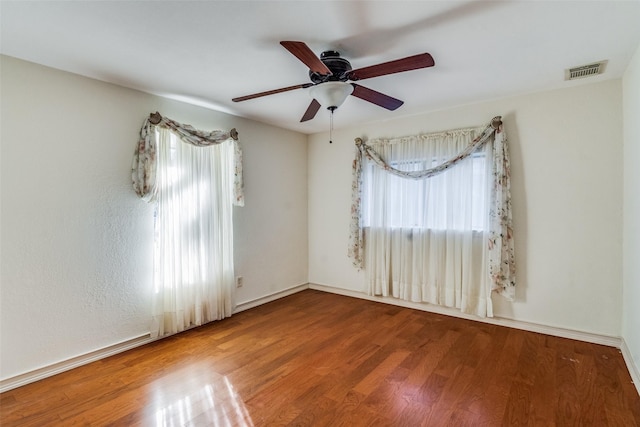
pixel 384 101
pixel 311 111
pixel 414 62
pixel 271 92
pixel 301 51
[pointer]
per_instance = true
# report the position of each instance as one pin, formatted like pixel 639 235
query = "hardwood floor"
pixel 318 359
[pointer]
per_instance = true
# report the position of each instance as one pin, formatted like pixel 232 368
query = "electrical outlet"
pixel 239 282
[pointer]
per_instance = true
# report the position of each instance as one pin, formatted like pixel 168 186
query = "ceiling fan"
pixel 330 73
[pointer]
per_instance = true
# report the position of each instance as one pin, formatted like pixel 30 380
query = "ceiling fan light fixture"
pixel 331 95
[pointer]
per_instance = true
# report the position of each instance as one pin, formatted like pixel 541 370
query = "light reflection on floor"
pixel 195 397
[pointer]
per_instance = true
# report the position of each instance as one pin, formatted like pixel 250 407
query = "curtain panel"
pixel 194 178
pixel 143 169
pixel 495 243
pixel 193 275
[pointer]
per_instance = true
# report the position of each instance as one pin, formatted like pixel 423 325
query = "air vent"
pixel 585 70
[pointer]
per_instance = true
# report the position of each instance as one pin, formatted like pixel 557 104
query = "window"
pixel 452 200
pixel 424 238
pixel 431 217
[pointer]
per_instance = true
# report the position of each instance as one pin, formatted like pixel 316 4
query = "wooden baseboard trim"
pixel 634 371
pixel 66 365
pixel 531 327
pixel 268 298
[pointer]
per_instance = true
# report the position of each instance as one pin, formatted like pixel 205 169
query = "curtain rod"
pixel 155 118
pixel 495 123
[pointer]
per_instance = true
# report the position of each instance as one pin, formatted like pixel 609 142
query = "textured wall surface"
pixel 631 275
pixel 566 157
pixel 76 240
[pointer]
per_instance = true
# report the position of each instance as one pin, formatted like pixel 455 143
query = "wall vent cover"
pixel 585 70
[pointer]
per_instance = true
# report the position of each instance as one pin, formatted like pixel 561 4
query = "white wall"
pixel 566 154
pixel 75 239
pixel 631 241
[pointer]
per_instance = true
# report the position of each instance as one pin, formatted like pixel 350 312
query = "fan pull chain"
pixel 331 127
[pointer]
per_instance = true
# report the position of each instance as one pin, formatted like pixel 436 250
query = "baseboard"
pixel 516 324
pixel 66 365
pixel 634 371
pixel 609 341
pixel 268 298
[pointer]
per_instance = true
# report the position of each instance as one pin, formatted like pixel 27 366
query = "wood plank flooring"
pixel 318 359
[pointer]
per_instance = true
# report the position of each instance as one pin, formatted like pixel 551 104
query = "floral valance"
pixel 143 170
pixel 369 151
pixel 501 262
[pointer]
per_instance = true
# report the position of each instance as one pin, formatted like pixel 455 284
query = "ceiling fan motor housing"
pixel 338 66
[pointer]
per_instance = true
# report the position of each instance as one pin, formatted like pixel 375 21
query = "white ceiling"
pixel 207 52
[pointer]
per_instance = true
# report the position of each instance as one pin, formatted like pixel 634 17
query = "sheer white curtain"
pixel 424 239
pixel 193 253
